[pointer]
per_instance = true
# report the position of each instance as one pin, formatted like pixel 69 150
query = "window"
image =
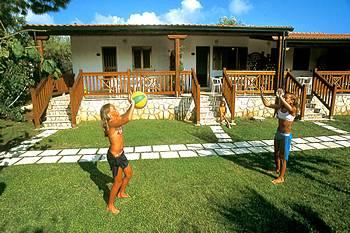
pixel 141 57
pixel 301 57
pixel 230 58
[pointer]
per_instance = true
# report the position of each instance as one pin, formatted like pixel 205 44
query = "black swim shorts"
pixel 116 162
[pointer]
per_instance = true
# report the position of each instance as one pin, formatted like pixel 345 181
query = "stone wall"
pixel 342 105
pixel 249 106
pixel 170 108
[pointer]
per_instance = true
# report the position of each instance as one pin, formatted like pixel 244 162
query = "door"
pixel 109 59
pixel 202 65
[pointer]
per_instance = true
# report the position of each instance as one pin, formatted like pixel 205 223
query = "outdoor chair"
pixel 216 83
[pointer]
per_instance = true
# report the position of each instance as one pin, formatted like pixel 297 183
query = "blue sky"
pixel 329 16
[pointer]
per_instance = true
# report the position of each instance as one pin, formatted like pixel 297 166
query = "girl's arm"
pixel 291 109
pixel 125 118
pixel 267 103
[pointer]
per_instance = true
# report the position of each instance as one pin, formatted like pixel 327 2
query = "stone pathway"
pixel 19 155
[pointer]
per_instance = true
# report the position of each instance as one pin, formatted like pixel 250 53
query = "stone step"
pixel 58 118
pixel 57 107
pixel 64 112
pixel 60 102
pixel 57 124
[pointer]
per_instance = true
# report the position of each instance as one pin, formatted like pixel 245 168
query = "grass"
pixel 210 194
pixel 13 133
pixel 340 122
pixel 156 132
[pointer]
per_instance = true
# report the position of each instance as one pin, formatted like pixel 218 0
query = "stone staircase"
pixel 312 112
pixel 209 108
pixel 58 113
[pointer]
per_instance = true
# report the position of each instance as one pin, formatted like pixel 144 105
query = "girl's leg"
pixel 126 179
pixel 280 178
pixel 277 158
pixel 118 179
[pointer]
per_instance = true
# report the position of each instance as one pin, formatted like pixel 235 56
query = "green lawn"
pixel 210 194
pixel 13 133
pixel 157 132
pixel 340 122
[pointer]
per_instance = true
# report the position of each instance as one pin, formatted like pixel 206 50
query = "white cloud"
pixel 144 18
pixel 109 19
pixel 32 18
pixel 238 7
pixel 188 13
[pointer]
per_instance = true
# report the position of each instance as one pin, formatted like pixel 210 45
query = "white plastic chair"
pixel 216 83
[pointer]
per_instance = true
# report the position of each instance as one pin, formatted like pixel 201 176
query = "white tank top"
pixel 285 115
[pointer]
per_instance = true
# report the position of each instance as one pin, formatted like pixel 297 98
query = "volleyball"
pixel 140 99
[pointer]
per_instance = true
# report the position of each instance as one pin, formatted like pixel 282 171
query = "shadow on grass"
pixel 13 142
pixel 253 213
pixel 99 178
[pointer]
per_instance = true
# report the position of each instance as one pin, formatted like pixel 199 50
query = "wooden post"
pixel 35 110
pixel 279 46
pixel 334 95
pixel 40 44
pixel 177 46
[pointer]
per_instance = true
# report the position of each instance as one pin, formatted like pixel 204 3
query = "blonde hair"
pixel 104 113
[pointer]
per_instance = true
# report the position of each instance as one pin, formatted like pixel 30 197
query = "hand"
pixel 131 101
pixel 279 92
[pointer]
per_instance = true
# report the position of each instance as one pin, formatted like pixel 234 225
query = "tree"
pixel 58 49
pixel 13 11
pixel 21 67
pixel 230 21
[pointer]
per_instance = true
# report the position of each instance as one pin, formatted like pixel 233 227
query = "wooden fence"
pixel 229 93
pixel 324 91
pixel 299 90
pixel 196 95
pixel 149 82
pixel 76 96
pixel 341 79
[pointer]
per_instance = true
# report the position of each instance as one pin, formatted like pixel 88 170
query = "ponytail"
pixel 104 113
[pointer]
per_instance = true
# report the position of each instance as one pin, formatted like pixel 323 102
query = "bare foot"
pixel 279 180
pixel 123 195
pixel 113 210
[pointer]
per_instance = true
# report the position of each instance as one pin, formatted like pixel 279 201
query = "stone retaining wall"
pixel 342 105
pixel 170 108
pixel 249 106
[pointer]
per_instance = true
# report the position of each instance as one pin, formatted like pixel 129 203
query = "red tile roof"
pixel 316 36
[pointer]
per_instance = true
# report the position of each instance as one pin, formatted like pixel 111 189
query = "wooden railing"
pixel 324 91
pixel 41 96
pixel 229 92
pixel 299 90
pixel 120 83
pixel 60 86
pixel 249 82
pixel 76 95
pixel 196 95
pixel 341 79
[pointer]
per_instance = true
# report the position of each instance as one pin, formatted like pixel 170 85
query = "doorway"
pixel 109 59
pixel 202 64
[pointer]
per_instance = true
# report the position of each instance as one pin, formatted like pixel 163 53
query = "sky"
pixel 328 16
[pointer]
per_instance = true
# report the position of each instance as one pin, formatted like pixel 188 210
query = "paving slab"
pixel 204 153
pixel 325 139
pixel 178 147
pixel 224 152
pixel 187 153
pixel 242 144
pixel 158 148
pixel 49 159
pixel 346 136
pixel 87 151
pixel 257 150
pixel 331 144
pixel 194 146
pixel 294 148
pixel 27 160
pixel 312 139
pixel 343 143
pixel 50 152
pixel 341 131
pixel 169 155
pixel 102 151
pixel 270 148
pixel 224 140
pixel 89 158
pixel 129 149
pixel 132 156
pixel 69 152
pixel 222 136
pixel 143 149
pixel 226 145
pixel 150 155
pixel 268 142
pixel 299 140
pixel 241 151
pixel 70 159
pixel 104 157
pixel 9 161
pixel 31 153
pixel 303 146
pixel 338 138
pixel 317 145
pixel 211 146
pixel 257 143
